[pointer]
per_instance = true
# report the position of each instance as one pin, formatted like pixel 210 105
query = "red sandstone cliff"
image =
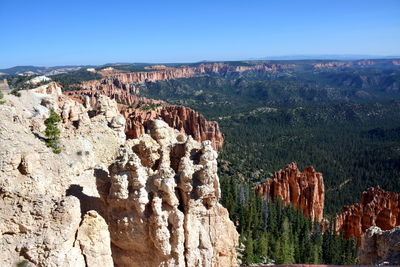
pixel 376 208
pixel 305 190
pixel 181 118
pixel 184 72
pixel 126 81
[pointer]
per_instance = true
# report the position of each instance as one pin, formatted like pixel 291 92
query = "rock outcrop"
pixel 40 212
pixel 127 97
pixel 380 247
pixel 163 203
pixel 304 190
pixel 181 118
pixel 104 200
pixel 376 208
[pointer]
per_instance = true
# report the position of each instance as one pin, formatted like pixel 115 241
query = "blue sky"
pixel 65 32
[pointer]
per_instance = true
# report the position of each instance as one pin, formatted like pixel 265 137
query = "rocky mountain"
pixel 105 200
pixel 375 208
pixel 304 190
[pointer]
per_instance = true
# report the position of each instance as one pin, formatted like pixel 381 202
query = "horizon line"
pixel 343 57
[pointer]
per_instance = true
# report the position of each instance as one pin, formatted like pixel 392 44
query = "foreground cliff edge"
pixel 103 200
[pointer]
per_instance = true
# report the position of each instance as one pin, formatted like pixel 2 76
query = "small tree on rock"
pixel 52 132
pixel 1 97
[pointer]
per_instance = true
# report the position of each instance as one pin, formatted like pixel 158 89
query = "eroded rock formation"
pixel 128 97
pixel 140 116
pixel 305 190
pixel 376 208
pixel 104 200
pixel 181 118
pixel 380 247
pixel 163 203
pixel 122 86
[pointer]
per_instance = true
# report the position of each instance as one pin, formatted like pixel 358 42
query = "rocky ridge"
pixel 375 208
pixel 305 190
pixel 105 200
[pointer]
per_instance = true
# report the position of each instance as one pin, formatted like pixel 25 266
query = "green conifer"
pixel 52 132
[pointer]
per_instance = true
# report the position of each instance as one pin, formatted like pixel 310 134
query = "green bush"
pixel 52 132
pixel 1 97
pixel 16 93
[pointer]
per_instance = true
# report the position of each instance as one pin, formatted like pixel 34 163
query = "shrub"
pixel 1 97
pixel 16 93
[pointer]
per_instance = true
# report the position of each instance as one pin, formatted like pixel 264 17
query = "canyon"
pixel 139 175
pixel 105 200
pixel 122 86
pixel 126 81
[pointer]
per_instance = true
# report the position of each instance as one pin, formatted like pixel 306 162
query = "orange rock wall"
pixel 305 190
pixel 181 118
pixel 376 208
pixel 116 80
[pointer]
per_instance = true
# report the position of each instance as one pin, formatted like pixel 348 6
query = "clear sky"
pixel 65 32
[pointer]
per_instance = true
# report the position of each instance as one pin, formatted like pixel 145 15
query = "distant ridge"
pixel 52 70
pixel 325 57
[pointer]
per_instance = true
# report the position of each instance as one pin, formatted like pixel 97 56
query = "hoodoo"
pixel 377 207
pixel 304 190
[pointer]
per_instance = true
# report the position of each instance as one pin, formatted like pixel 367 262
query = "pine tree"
pixel 248 256
pixel 52 132
pixel 285 253
pixel 261 247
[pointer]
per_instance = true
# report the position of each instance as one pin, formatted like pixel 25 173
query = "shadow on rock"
pixel 90 202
